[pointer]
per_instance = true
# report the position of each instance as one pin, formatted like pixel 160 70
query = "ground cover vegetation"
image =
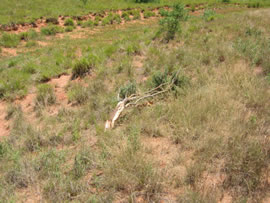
pixel 12 11
pixel 206 140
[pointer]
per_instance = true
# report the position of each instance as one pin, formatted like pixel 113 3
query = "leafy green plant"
pixel 127 90
pixel 170 23
pixel 209 15
pixel 9 40
pixel 69 29
pixel 69 22
pixel 51 30
pixel 29 35
pixel 45 95
pixel 136 15
pixel 84 2
pixel 125 15
pixel 117 18
pixel 148 14
pixel 88 23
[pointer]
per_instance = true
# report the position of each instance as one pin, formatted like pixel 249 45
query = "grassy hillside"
pixel 207 140
pixel 13 11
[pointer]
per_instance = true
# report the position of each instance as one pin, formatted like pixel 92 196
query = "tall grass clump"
pixel 9 40
pixel 45 95
pixel 81 68
pixel 51 30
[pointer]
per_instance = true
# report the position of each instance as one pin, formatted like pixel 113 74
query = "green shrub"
pixel 209 15
pixel 125 15
pixel 162 12
pixel 31 44
pixel 30 35
pixel 159 78
pixel 81 68
pixel 127 90
pixel 69 29
pixel 9 40
pixel 106 21
pixel 148 14
pixel 45 95
pixel 170 23
pixel 51 30
pixel 225 1
pixel 69 22
pixel 88 23
pixel 117 18
pixel 136 15
pixel 144 1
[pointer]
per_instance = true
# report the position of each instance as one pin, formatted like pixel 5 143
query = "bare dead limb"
pixel 134 99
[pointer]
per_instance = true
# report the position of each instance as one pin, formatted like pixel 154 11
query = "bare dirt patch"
pixel 4 125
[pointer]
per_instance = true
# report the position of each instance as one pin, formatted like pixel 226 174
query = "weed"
pixel 125 15
pixel 9 40
pixel 69 22
pixel 69 29
pixel 127 90
pixel 88 23
pixel 136 15
pixel 209 15
pixel 117 18
pixel 31 44
pixel 29 35
pixel 148 14
pixel 45 95
pixel 51 30
pixel 170 24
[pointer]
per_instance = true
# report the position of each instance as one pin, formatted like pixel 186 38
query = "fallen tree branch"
pixel 134 99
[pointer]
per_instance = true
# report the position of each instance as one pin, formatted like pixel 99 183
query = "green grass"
pixel 30 10
pixel 204 139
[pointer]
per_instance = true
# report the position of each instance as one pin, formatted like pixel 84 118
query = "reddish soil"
pixel 4 125
pixel 59 85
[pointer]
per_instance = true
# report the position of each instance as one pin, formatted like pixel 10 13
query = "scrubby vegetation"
pixel 204 140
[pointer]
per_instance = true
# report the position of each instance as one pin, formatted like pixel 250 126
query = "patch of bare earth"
pixel 163 152
pixel 59 85
pixel 9 51
pixel 4 125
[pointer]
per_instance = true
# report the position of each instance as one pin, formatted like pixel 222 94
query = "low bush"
pixel 148 14
pixel 69 29
pixel 69 22
pixel 125 15
pixel 29 35
pixel 45 95
pixel 9 40
pixel 88 23
pixel 51 30
pixel 170 23
pixel 209 15
pixel 127 90
pixel 136 15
